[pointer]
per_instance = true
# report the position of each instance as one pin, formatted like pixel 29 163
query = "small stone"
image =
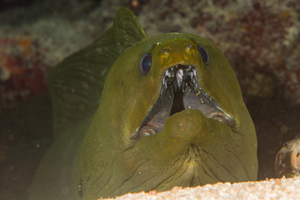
pixel 152 192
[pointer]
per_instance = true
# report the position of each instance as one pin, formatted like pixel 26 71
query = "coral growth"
pixel 259 38
pixel 22 70
pixel 261 43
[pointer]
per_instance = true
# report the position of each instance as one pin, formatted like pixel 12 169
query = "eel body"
pixel 133 114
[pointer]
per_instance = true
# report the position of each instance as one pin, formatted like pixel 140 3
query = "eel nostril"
pixel 187 47
pixel 165 51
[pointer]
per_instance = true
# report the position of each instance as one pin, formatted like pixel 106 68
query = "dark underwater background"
pixel 259 38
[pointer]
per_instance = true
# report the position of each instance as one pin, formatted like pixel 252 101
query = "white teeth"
pixel 145 134
pixel 179 75
pixel 192 75
pixel 194 71
pixel 168 74
pixel 180 71
pixel 179 79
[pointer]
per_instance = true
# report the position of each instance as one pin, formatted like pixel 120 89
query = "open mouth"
pixel 180 91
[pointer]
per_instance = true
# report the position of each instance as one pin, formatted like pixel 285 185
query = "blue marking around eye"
pixel 145 63
pixel 204 54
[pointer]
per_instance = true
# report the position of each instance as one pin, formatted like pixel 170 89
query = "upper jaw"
pixel 180 91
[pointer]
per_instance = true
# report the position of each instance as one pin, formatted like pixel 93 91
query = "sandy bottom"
pixel 272 189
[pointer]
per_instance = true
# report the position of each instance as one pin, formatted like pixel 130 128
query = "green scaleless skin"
pixel 95 154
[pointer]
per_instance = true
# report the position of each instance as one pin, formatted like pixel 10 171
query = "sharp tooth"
pixel 194 71
pixel 172 68
pixel 181 72
pixel 163 81
pixel 190 67
pixel 176 66
pixel 192 75
pixel 179 79
pixel 145 134
pixel 168 74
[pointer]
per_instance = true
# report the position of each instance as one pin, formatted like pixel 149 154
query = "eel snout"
pixel 180 91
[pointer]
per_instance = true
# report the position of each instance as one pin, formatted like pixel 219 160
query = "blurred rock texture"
pixel 259 38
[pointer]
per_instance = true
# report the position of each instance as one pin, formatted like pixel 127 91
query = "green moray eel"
pixel 133 113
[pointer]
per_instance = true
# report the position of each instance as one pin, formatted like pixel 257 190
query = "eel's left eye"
pixel 145 63
pixel 204 55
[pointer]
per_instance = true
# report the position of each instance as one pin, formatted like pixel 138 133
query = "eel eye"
pixel 204 55
pixel 145 63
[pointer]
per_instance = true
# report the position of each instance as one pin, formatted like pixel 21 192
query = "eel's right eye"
pixel 145 63
pixel 204 54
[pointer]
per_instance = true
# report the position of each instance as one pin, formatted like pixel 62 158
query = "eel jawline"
pixel 180 91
